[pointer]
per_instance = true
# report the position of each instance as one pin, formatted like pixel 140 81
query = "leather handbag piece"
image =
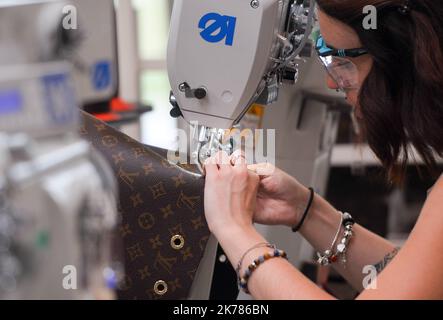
pixel 162 228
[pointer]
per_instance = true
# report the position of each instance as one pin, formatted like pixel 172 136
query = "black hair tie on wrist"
pixel 305 214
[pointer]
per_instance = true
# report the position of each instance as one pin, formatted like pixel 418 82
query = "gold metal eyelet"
pixel 160 287
pixel 177 242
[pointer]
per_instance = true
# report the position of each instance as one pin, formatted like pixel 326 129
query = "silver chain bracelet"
pixel 330 256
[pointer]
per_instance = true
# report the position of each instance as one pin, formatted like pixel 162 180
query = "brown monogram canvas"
pixel 158 203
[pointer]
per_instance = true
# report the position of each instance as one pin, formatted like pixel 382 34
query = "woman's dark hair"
pixel 401 100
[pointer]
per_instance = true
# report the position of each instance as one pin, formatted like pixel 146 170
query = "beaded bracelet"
pixel 243 282
pixel 330 256
pixel 342 247
pixel 327 256
pixel 257 246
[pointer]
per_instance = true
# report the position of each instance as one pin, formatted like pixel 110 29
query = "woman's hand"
pixel 281 199
pixel 230 193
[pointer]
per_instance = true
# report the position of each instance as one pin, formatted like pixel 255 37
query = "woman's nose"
pixel 331 83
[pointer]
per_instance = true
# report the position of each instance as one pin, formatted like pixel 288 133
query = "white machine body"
pixel 32 31
pixel 223 56
pixel 231 69
pixel 37 100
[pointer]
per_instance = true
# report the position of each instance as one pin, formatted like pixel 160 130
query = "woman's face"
pixel 338 35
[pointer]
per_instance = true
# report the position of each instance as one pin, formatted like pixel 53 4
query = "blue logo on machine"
pixel 216 28
pixel 101 75
pixel 60 99
pixel 11 102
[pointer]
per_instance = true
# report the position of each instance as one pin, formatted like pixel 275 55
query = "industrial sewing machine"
pixel 224 56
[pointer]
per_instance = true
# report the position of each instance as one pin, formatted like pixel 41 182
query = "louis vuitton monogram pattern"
pixel 157 201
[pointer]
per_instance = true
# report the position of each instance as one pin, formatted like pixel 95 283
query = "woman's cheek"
pixel 351 97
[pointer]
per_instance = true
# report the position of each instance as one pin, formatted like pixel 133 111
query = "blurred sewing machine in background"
pixel 57 208
pixel 57 195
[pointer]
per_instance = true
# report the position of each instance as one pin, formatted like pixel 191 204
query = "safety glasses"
pixel 342 70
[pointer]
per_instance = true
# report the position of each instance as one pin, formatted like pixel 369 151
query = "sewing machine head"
pixel 223 56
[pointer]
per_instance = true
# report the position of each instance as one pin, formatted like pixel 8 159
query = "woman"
pixel 398 98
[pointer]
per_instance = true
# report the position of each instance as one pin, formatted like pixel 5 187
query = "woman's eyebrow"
pixel 335 48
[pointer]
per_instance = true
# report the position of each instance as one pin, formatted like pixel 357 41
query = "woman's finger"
pixel 223 161
pixel 238 158
pixel 210 167
pixel 262 169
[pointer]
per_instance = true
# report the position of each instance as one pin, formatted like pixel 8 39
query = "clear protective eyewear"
pixel 342 70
